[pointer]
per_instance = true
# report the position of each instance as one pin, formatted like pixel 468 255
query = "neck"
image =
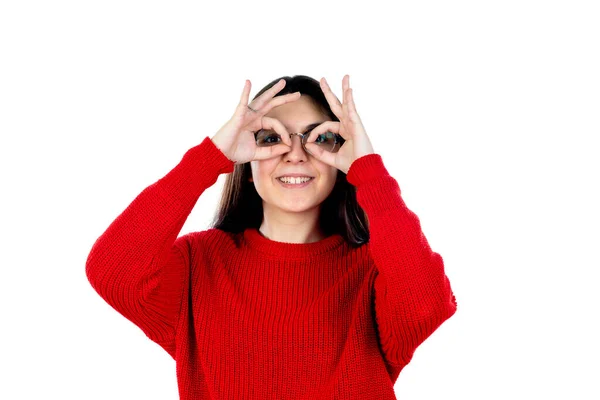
pixel 291 227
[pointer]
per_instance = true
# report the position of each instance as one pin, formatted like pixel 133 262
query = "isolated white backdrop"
pixel 484 112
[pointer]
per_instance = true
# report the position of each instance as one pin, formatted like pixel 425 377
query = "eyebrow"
pixel 311 126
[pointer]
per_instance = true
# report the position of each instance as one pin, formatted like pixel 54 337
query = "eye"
pixel 328 137
pixel 267 137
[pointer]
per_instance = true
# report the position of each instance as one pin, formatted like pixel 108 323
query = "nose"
pixel 297 152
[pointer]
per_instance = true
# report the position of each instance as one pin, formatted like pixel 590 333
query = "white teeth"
pixel 294 181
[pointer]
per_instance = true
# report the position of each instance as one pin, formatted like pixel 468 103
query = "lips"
pixel 295 185
pixel 295 176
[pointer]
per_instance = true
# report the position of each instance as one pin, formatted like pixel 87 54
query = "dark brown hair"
pixel 241 206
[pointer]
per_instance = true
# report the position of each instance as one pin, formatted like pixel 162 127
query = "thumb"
pixel 321 154
pixel 264 153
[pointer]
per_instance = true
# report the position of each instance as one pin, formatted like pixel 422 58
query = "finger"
pixel 334 103
pixel 345 105
pixel 242 105
pixel 277 126
pixel 345 86
pixel 263 153
pixel 267 95
pixel 352 113
pixel 327 126
pixel 321 154
pixel 245 93
pixel 279 100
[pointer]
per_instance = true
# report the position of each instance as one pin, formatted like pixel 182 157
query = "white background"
pixel 484 112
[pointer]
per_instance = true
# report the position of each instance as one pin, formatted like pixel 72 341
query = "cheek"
pixel 262 173
pixel 332 175
pixel 328 180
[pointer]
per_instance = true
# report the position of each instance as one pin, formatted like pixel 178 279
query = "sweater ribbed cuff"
pixel 376 190
pixel 366 168
pixel 198 169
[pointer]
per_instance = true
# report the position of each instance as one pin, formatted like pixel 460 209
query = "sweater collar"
pixel 262 244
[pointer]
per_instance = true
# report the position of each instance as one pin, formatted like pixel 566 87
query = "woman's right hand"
pixel 236 138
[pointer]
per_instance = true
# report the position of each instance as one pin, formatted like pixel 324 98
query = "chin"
pixel 300 206
pixel 295 209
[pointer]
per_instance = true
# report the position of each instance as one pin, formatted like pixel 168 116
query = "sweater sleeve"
pixel 412 294
pixel 138 265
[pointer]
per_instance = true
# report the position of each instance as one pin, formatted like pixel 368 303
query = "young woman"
pixel 315 280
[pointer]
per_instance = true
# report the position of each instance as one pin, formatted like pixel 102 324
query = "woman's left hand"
pixel 350 127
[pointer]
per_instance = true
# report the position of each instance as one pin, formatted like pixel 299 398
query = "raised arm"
pixel 412 294
pixel 138 265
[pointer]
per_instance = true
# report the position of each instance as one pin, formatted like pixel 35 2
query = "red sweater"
pixel 263 319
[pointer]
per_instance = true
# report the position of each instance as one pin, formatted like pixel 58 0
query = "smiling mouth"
pixel 295 183
pixel 294 179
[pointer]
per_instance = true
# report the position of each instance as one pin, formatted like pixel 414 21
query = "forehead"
pixel 298 113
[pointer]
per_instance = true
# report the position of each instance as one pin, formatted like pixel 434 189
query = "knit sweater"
pixel 246 317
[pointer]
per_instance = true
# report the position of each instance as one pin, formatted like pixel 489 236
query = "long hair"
pixel 241 207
